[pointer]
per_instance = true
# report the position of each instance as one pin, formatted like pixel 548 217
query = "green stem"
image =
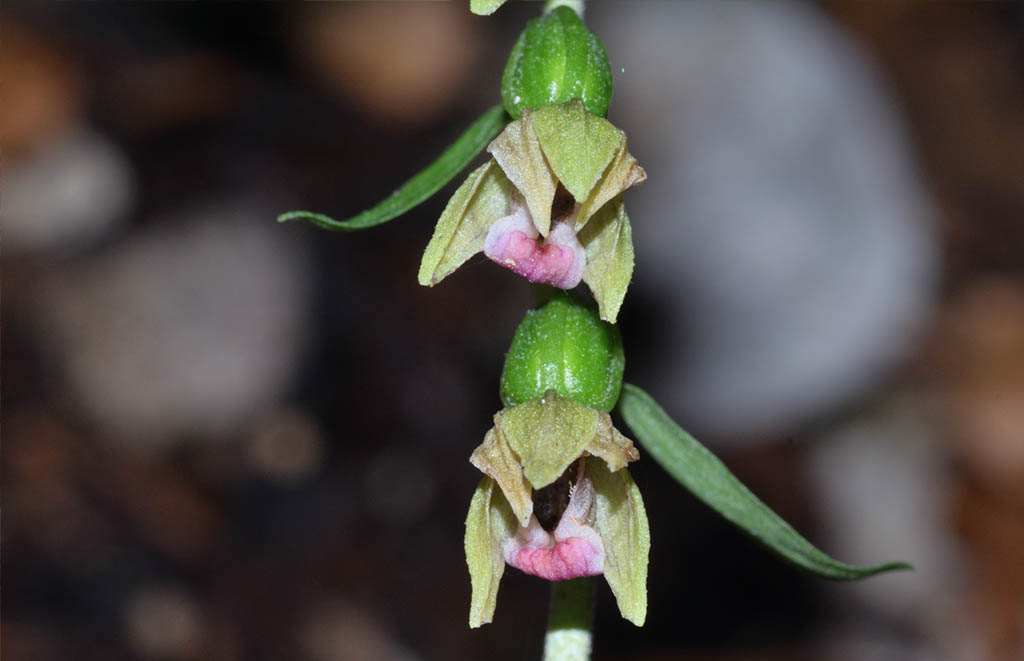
pixel 575 5
pixel 569 621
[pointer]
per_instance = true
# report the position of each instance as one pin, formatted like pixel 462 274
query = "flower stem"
pixel 569 621
pixel 575 5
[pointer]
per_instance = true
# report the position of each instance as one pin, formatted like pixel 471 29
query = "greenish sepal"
pixel 621 521
pixel 424 184
pixel 557 59
pixel 489 524
pixel 547 435
pixel 707 478
pixel 519 153
pixel 485 7
pixel 532 444
pixel 578 144
pixel 460 232
pixel 564 346
pixel 496 459
pixel 608 240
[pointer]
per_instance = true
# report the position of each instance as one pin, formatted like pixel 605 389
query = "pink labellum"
pixel 514 243
pixel 574 550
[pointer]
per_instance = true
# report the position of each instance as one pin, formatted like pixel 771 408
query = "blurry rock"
pixel 192 326
pixel 992 527
pixel 958 68
pixel 400 62
pixel 163 622
pixel 874 643
pixel 42 94
pixel 882 485
pixel 73 187
pixel 64 184
pixel 74 499
pixel 286 446
pixel 980 357
pixel 344 632
pixel 782 229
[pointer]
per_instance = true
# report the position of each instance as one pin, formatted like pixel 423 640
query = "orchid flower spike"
pixel 547 206
pixel 557 503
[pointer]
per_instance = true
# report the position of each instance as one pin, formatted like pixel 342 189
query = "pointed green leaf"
pixel 489 524
pixel 424 184
pixel 578 145
pixel 548 434
pixel 700 472
pixel 608 240
pixel 485 7
pixel 460 232
pixel 621 521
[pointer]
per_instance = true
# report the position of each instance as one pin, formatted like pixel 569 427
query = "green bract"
pixel 452 161
pixel 564 346
pixel 707 478
pixel 557 59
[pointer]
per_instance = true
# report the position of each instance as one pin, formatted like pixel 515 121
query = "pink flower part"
pixel 573 550
pixel 558 260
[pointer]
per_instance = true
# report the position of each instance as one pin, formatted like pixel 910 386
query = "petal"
pixel 495 458
pixel 621 521
pixel 485 196
pixel 623 172
pixel 578 146
pixel 518 152
pixel 547 434
pixel 576 516
pixel 608 240
pixel 615 449
pixel 489 525
pixel 559 261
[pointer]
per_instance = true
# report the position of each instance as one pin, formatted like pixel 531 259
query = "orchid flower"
pixel 548 206
pixel 557 503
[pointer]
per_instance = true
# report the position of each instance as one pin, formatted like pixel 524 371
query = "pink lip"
pixel 513 243
pixel 571 558
pixel 573 550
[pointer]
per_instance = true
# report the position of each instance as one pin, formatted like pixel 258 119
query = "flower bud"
pixel 555 60
pixel 564 346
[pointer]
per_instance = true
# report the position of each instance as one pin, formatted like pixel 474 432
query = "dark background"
pixel 230 439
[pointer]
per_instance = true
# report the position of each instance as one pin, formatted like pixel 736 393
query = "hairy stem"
pixel 575 5
pixel 569 621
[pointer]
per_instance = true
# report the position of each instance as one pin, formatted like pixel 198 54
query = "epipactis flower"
pixel 547 206
pixel 557 503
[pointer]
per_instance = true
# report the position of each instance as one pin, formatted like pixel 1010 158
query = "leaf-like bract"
pixel 707 478
pixel 428 181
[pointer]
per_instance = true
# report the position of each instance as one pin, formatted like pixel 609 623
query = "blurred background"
pixel 226 438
